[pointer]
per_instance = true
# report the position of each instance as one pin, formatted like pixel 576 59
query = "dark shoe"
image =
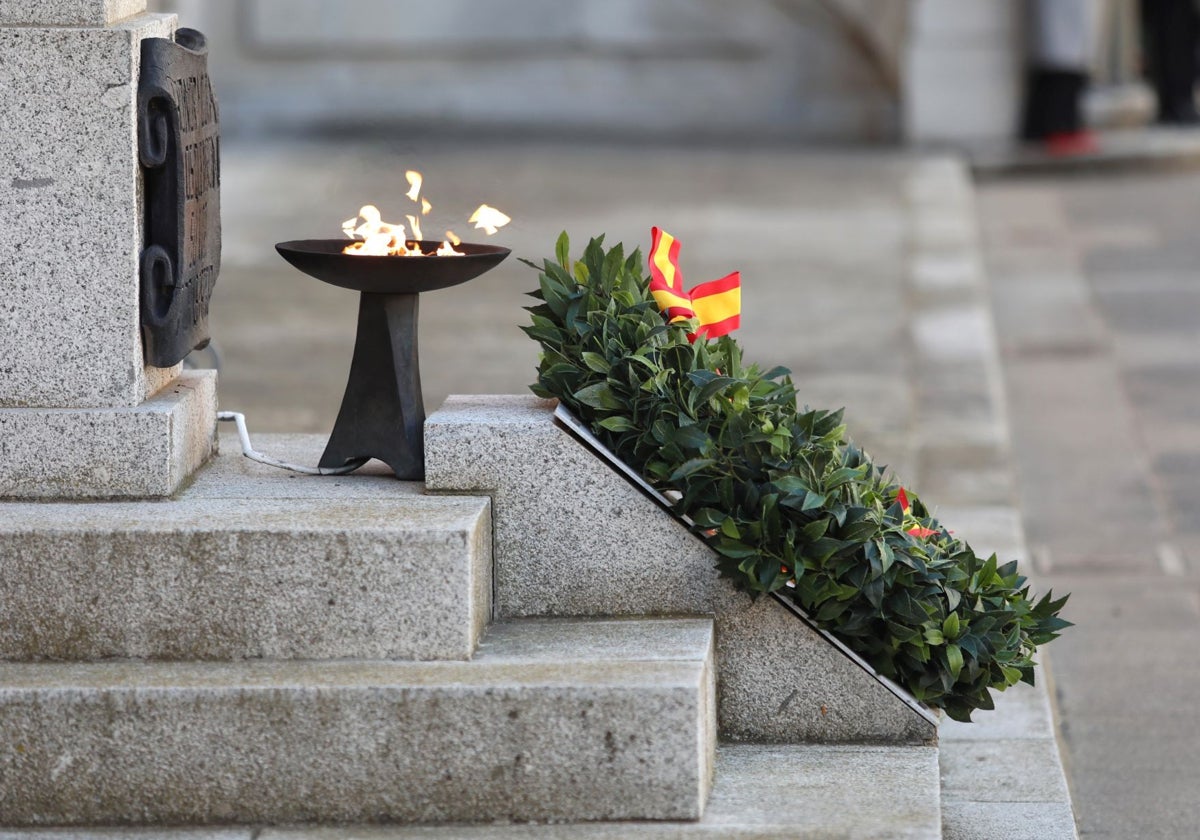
pixel 1182 114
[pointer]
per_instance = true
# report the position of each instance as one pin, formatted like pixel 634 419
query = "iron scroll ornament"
pixel 179 150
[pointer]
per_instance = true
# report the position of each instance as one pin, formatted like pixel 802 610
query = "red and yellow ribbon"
pixel 918 531
pixel 716 305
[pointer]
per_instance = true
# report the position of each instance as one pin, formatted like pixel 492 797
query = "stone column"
pixel 962 79
pixel 81 415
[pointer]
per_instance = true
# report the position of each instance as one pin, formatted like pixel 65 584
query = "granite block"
pixel 943 228
pixel 629 639
pixel 573 537
pixel 174 833
pixel 242 578
pixel 94 13
pixel 545 734
pixel 783 682
pixel 955 333
pixel 968 393
pixel 830 791
pixel 71 213
pixel 935 274
pixel 147 450
pixel 939 182
pixel 808 792
pixel 1010 820
pixel 1002 770
pixel 1022 711
pixel 1006 779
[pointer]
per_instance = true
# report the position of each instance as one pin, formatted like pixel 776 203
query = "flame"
pixel 375 237
pixel 378 238
pixel 414 182
pixel 415 224
pixel 489 219
pixel 371 217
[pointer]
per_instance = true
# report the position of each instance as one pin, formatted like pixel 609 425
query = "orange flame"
pixel 488 218
pixel 375 237
pixel 415 224
pixel 414 182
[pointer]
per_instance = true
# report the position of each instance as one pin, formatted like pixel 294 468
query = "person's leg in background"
pixel 1171 29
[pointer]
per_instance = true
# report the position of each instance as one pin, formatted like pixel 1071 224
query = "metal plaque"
pixel 179 148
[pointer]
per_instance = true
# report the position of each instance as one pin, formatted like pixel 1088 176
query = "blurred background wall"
pixel 812 71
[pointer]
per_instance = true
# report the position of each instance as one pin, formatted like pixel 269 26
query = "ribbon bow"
pixel 717 304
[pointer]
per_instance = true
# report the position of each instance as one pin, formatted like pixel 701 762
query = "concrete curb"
pixel 1002 776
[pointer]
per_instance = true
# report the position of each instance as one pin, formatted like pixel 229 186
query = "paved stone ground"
pixel 1097 303
pixel 821 243
pixel 1131 150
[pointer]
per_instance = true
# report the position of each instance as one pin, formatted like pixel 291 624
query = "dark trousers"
pixel 1170 30
pixel 1052 103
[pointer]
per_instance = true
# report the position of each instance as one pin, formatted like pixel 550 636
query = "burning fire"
pixel 415 180
pixel 377 238
pixel 488 218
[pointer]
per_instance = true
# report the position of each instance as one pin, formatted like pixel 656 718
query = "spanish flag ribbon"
pixel 918 531
pixel 717 304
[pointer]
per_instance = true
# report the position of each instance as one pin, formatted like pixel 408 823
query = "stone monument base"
pixel 147 450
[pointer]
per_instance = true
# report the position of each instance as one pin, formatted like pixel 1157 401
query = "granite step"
pixel 552 720
pixel 762 792
pixel 249 562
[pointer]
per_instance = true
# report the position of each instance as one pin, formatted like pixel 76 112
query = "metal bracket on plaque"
pixel 179 149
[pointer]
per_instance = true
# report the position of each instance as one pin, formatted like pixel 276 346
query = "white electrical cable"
pixel 249 451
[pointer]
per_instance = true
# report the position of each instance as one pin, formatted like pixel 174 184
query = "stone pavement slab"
pixel 1140 149
pixel 1107 442
pixel 1016 820
pixel 234 476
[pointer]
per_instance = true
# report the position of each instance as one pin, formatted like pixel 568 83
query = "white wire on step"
pixel 249 451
